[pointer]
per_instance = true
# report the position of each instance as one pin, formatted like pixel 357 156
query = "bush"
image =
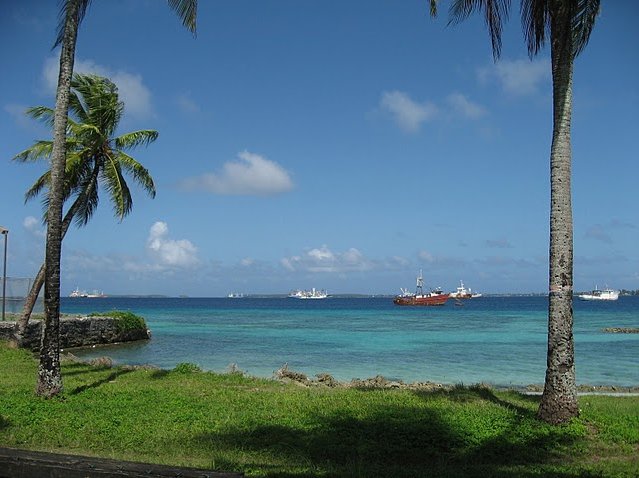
pixel 124 320
pixel 186 367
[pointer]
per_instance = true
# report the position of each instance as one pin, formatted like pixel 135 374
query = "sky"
pixel 341 145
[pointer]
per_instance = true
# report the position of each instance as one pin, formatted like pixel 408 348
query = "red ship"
pixel 434 297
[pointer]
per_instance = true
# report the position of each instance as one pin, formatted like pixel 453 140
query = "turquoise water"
pixel 497 340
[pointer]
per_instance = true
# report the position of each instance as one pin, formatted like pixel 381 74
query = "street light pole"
pixel 5 233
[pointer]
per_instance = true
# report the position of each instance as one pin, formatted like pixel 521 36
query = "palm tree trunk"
pixel 49 381
pixel 559 399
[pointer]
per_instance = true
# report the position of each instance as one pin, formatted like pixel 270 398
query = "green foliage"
pixel 268 429
pixel 186 367
pixel 124 319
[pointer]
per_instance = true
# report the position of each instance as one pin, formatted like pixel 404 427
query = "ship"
pixel 309 294
pixel 605 294
pixel 419 297
pixel 463 293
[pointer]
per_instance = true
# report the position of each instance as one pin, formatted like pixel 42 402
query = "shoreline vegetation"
pixel 287 427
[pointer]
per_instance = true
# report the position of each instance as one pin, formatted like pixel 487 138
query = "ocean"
pixel 496 340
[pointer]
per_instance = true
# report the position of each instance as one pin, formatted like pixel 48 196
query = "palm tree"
pixel 49 381
pixel 94 157
pixel 567 24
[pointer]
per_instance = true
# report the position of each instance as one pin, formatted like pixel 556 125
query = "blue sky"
pixel 330 144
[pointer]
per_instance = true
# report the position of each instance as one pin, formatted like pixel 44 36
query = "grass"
pixel 186 417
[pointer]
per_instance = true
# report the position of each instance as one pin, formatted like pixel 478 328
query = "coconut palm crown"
pixel 95 156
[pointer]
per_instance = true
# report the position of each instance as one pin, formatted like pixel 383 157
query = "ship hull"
pixel 439 299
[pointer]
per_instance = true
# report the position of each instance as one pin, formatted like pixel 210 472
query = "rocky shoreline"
pixel 77 332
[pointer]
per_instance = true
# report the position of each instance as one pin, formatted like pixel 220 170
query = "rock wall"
pixel 77 332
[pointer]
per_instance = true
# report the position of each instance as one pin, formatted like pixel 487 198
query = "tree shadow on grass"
pixel 4 423
pixel 397 441
pixel 109 378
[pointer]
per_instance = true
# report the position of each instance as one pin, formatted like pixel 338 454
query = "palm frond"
pixel 535 21
pixel 433 8
pixel 140 173
pixel 42 113
pixel 187 11
pixel 116 185
pixel 39 150
pixel 496 13
pixel 67 8
pixel 583 22
pixel 136 138
pixel 41 183
pixel 87 200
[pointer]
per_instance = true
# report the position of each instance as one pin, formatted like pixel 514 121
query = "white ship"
pixel 309 294
pixel 605 294
pixel 463 293
pixel 81 293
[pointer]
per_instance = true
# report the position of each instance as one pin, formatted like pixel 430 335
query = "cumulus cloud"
pixel 462 106
pixel 322 259
pixel 407 113
pixel 34 226
pixel 131 88
pixel 186 104
pixel 498 243
pixel 170 252
pixel 598 233
pixel 250 174
pixel 518 77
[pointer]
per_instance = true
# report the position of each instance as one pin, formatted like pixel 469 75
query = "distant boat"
pixel 81 293
pixel 78 293
pixel 434 297
pixel 235 295
pixel 463 293
pixel 605 294
pixel 309 294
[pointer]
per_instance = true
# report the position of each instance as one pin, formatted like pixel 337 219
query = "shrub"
pixel 124 320
pixel 186 367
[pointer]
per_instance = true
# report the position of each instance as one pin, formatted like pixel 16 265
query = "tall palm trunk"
pixel 32 297
pixel 559 399
pixel 49 381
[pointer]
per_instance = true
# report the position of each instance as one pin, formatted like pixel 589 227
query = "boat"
pixel 463 293
pixel 434 297
pixel 309 294
pixel 235 295
pixel 78 293
pixel 596 294
pixel 84 294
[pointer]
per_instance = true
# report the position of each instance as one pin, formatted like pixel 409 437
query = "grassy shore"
pixel 267 428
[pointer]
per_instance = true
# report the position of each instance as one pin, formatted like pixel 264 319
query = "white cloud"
pixel 186 104
pixel 17 112
pixel 408 114
pixel 426 256
pixel 501 243
pixel 322 259
pixel 170 252
pixel 518 77
pixel 464 107
pixel 250 174
pixel 34 226
pixel 132 91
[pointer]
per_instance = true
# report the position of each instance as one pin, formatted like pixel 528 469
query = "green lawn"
pixel 265 428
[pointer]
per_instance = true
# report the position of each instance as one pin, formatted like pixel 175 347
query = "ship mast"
pixel 420 284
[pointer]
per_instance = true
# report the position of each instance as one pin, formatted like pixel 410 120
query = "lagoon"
pixel 496 340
